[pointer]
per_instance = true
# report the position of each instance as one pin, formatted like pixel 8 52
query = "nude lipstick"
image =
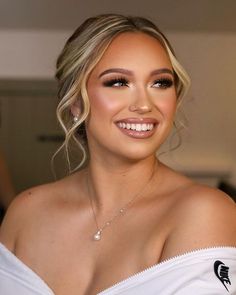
pixel 137 127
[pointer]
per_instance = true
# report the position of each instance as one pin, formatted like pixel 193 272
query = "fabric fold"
pixel 204 272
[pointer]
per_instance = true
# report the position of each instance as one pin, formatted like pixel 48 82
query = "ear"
pixel 76 108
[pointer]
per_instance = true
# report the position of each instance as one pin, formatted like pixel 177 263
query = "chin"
pixel 137 154
pixel 141 150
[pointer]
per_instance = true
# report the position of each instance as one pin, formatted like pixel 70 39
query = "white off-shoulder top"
pixel 208 271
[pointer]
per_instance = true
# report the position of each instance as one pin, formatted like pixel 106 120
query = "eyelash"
pixel 111 82
pixel 163 83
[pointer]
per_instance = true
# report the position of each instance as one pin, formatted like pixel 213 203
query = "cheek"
pixel 167 107
pixel 103 103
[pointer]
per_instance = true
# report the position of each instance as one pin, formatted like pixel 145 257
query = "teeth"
pixel 144 127
pixel 136 127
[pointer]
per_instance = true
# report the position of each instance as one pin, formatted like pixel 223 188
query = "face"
pixel 133 98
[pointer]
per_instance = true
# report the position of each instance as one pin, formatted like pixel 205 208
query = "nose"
pixel 140 109
pixel 142 104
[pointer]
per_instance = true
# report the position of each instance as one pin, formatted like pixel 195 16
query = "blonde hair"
pixel 81 53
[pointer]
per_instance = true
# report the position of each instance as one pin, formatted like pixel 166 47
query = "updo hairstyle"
pixel 82 51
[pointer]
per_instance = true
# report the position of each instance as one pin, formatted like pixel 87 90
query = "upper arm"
pixel 204 218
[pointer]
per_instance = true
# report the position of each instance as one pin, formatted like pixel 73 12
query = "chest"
pixel 70 262
pixel 91 276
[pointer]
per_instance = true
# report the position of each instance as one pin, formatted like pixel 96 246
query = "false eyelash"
pixel 164 83
pixel 111 82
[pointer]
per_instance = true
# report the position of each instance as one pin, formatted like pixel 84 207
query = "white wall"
pixel 29 54
pixel 210 141
pixel 211 105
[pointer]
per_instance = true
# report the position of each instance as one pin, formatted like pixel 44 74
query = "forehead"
pixel 134 49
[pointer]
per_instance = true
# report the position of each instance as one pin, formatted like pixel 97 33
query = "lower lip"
pixel 138 134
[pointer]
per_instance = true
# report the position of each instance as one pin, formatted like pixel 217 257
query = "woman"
pixel 123 211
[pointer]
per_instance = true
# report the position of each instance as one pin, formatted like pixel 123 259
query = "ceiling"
pixel 181 15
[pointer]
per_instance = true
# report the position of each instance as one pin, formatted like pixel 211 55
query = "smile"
pixel 136 127
pixel 139 128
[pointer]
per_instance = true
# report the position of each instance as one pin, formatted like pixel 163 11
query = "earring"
pixel 75 119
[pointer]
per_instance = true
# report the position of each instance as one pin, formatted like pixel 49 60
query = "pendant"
pixel 97 236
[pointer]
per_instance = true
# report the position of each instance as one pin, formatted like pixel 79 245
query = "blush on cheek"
pixel 167 107
pixel 105 102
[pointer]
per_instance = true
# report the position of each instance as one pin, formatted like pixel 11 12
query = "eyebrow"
pixel 116 70
pixel 128 72
pixel 161 71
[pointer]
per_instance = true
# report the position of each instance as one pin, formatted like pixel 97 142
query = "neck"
pixel 111 186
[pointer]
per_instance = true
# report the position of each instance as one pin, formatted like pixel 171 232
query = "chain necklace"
pixel 97 236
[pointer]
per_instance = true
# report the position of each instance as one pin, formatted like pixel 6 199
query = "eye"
pixel 116 82
pixel 163 83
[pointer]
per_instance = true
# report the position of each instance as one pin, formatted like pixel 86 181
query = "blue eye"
pixel 116 82
pixel 163 83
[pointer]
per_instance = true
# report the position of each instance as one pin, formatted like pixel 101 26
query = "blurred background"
pixel 32 33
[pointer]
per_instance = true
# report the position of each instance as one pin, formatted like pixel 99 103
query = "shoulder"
pixel 33 207
pixel 212 204
pixel 203 217
pixel 22 211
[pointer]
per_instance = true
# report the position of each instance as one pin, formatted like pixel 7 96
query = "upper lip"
pixel 138 120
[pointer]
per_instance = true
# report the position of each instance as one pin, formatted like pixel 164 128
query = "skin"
pixel 111 104
pixel 131 158
pixel 46 221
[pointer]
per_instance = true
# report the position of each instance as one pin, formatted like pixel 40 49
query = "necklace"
pixel 97 236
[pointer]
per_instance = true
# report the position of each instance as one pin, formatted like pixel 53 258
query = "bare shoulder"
pixel 201 203
pixel 204 217
pixel 21 211
pixel 200 198
pixel 31 206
